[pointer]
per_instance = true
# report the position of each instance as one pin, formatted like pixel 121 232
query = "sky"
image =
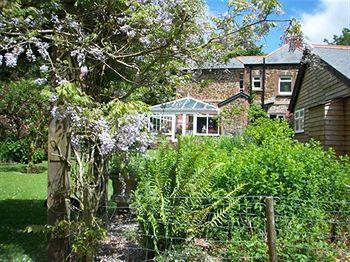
pixel 320 19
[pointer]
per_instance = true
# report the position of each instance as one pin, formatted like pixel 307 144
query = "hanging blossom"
pixel 40 81
pixel 44 68
pixel 133 133
pixel 84 70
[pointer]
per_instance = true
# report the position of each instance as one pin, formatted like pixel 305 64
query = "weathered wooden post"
pixel 271 229
pixel 58 186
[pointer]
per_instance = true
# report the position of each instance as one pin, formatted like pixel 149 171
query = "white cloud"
pixel 329 18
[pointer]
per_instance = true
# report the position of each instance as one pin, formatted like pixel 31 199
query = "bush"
pixel 306 181
pixel 173 189
pixel 24 118
pixel 13 150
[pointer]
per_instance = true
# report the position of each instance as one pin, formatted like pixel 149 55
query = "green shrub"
pixel 306 182
pixel 171 198
pixel 18 150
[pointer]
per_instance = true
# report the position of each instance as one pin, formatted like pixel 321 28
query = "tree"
pixel 23 121
pixel 343 39
pixel 99 55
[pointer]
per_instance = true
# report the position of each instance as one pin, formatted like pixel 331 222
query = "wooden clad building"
pixel 321 97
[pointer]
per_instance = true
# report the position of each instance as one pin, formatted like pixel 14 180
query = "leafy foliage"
pixel 306 181
pixel 173 188
pixel 343 39
pixel 23 122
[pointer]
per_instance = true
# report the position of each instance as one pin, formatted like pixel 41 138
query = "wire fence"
pixel 241 228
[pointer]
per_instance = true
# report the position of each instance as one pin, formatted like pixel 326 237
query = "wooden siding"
pixel 316 123
pixel 347 125
pixel 326 102
pixel 334 126
pixel 319 86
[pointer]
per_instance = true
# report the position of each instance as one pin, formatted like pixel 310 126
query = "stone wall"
pixel 234 118
pixel 212 86
pixel 216 85
pixel 278 104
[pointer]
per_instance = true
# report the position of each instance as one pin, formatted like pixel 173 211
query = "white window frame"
pixel 256 81
pixel 160 125
pixel 241 81
pixel 207 116
pixel 299 116
pixel 285 81
pixel 279 116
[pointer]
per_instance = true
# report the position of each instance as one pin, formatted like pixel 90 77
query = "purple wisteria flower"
pixel 40 81
pixel 107 143
pixel 133 133
pixel 10 59
pixel 84 70
pixel 44 68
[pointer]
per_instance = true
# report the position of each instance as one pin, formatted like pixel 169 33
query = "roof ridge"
pixel 331 46
pixel 250 56
pixel 282 46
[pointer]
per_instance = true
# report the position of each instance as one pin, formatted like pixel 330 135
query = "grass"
pixel 21 204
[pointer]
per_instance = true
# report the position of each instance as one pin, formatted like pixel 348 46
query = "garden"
pixel 80 172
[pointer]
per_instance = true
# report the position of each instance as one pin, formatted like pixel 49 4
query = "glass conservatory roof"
pixel 184 104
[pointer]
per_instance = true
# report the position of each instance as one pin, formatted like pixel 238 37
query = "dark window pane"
pixel 286 87
pixel 212 126
pixel 201 125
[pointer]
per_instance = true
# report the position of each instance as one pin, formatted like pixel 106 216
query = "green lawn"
pixel 21 204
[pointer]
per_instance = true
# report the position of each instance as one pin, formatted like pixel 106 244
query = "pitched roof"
pixel 284 55
pixel 337 57
pixel 183 104
pixel 233 98
pixel 232 63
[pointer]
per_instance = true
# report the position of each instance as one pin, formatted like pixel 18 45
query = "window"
pixel 277 116
pixel 285 85
pixel 256 82
pixel 241 82
pixel 161 124
pixel 207 125
pixel 299 121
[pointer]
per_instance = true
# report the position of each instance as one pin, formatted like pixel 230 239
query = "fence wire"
pixel 232 229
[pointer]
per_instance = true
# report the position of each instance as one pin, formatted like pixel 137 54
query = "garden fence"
pixel 240 228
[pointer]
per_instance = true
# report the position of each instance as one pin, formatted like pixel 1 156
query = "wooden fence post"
pixel 271 230
pixel 58 187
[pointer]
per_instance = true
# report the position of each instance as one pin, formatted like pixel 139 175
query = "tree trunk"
pixel 58 186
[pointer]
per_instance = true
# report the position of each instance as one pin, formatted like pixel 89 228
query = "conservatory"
pixel 185 116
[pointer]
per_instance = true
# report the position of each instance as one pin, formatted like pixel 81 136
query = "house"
pixel 321 97
pixel 229 88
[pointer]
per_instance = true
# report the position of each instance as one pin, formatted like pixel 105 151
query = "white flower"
pixel 84 70
pixel 40 81
pixel 44 68
pixel 131 34
pixel 54 19
pixel 11 59
pixel 30 56
pixel 53 98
